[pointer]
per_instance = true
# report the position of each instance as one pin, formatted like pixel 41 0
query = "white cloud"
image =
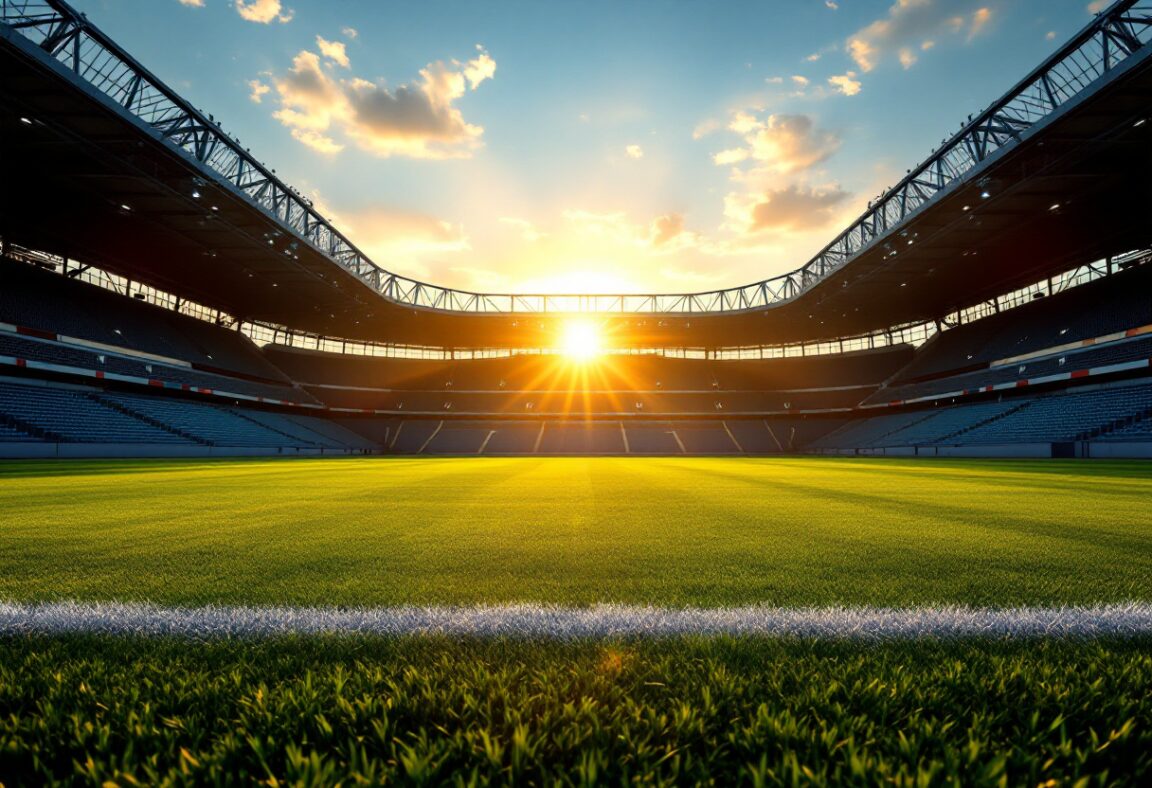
pixel 349 32
pixel 1050 35
pixel 846 83
pixel 779 143
pixel 263 11
pixel 729 156
pixel 911 23
pixel 259 90
pixel 799 80
pixel 831 4
pixel 706 127
pixel 333 50
pixel 528 231
pixel 193 3
pixel 634 152
pixel 480 68
pixel 416 120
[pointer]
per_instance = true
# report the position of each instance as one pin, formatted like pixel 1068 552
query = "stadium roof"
pixel 116 169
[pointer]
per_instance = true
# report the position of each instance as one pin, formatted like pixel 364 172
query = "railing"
pixel 268 333
pixel 1114 36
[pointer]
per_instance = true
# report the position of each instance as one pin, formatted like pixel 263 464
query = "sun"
pixel 581 340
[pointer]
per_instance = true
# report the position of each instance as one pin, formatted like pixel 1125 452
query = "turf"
pixel 318 711
pixel 662 531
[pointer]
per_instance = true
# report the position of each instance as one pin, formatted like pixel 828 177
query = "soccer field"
pixel 569 533
pixel 577 531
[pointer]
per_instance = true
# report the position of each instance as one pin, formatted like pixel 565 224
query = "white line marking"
pixel 527 620
pixel 431 437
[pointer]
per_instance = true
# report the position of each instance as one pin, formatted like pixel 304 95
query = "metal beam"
pixel 70 40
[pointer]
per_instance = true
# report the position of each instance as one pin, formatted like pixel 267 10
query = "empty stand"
pixel 1120 410
pixel 618 385
pixel 53 303
pixel 79 357
pixel 79 416
pixel 1062 319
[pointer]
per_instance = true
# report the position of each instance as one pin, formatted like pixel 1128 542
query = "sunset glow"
pixel 581 340
pixel 526 147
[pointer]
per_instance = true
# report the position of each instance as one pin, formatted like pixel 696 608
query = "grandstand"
pixel 995 302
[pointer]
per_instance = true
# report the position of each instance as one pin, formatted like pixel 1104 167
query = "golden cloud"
pixel 418 120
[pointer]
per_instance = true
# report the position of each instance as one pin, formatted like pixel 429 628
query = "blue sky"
pixel 590 146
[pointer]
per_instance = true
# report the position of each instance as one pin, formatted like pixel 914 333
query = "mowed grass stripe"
pixel 669 532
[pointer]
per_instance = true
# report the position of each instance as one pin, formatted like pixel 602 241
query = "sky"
pixel 587 146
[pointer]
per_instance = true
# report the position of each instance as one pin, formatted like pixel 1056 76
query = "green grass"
pixel 666 531
pixel 320 710
pixel 364 710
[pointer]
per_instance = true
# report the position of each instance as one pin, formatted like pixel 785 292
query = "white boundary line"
pixel 546 621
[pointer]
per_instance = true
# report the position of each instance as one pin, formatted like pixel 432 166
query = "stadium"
pixel 274 512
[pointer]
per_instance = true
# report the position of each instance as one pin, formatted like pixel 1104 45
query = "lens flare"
pixel 581 340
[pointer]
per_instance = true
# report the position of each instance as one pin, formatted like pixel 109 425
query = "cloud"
pixel 259 90
pixel 528 231
pixel 263 11
pixel 980 19
pixel 664 233
pixel 350 32
pixel 911 23
pixel 406 242
pixel 706 127
pixel 779 143
pixel 480 68
pixel 831 4
pixel 193 3
pixel 1096 6
pixel 417 120
pixel 846 83
pixel 333 50
pixel 664 229
pixel 729 156
pixel 799 80
pixel 634 152
pixel 788 209
pixel 317 141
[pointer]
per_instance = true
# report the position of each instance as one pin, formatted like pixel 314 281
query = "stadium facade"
pixel 163 293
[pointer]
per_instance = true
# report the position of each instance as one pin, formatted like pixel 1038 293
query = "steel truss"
pixel 66 36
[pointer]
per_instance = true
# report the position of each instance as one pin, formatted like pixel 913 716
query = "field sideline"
pixel 669 532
